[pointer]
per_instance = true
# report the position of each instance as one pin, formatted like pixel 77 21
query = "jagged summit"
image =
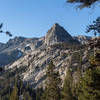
pixel 57 34
pixel 56 25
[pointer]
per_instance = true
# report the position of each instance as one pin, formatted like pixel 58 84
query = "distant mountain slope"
pixel 2 46
pixel 14 49
pixel 10 56
pixel 83 39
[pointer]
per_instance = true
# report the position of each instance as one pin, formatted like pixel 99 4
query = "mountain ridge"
pixel 56 34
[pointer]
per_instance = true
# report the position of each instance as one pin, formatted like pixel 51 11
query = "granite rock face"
pixel 32 67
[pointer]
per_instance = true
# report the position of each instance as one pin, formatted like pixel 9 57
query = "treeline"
pixel 86 87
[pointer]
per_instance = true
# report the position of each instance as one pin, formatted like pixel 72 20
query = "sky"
pixel 33 18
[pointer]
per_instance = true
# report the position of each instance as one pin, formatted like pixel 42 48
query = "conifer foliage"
pixel 52 90
pixel 83 3
pixel 14 94
pixel 67 87
pixel 95 27
pixel 90 83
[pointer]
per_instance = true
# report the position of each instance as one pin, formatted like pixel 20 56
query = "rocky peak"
pixel 57 34
pixel 55 27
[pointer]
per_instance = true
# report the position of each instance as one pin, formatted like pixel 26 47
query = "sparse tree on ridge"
pixel 6 32
pixel 95 27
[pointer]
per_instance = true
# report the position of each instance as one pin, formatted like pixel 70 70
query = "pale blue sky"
pixel 33 18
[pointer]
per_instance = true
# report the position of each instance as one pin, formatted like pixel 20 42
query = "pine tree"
pixel 89 87
pixel 67 87
pixel 27 96
pixel 52 90
pixel 14 94
pixel 39 92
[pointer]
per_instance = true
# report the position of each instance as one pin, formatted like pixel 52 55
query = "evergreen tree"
pixel 14 94
pixel 95 27
pixel 77 78
pixel 39 92
pixel 52 90
pixel 89 87
pixel 67 87
pixel 27 96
